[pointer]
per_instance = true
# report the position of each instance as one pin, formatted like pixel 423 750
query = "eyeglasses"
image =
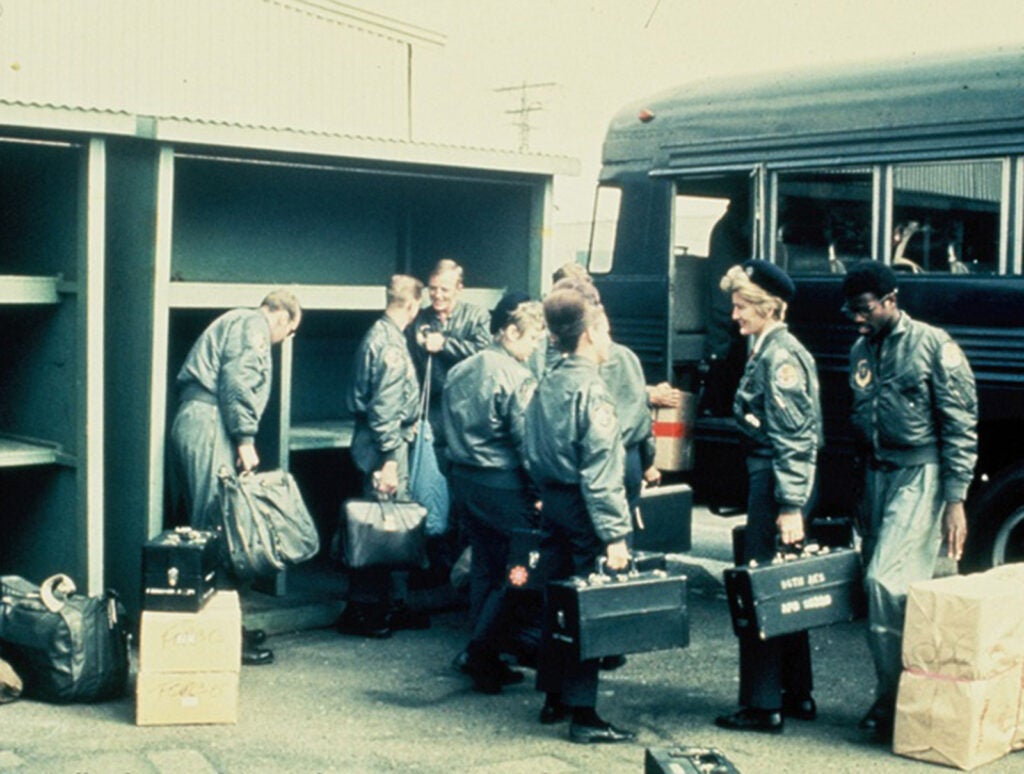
pixel 853 312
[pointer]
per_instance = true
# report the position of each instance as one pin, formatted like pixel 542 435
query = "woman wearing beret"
pixel 778 410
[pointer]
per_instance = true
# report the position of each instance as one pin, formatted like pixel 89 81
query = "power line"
pixel 526 107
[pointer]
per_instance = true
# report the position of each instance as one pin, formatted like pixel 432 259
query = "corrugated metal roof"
pixel 187 131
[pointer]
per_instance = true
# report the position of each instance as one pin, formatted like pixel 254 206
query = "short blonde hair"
pixel 764 303
pixel 527 316
pixel 402 289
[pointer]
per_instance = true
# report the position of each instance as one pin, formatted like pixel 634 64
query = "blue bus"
pixel 919 165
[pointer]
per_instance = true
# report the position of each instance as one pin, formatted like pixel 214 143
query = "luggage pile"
pixel 960 698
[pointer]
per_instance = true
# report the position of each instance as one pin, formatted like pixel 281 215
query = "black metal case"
pixel 179 570
pixel 608 615
pixel 687 760
pixel 664 519
pixel 796 594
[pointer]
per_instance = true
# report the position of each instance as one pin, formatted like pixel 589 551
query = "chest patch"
pixel 862 374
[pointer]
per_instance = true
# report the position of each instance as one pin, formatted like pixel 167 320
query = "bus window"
pixel 946 217
pixel 823 221
pixel 606 224
pixel 692 222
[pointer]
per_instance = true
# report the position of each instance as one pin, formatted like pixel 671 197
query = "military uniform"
pixel 624 376
pixel 384 398
pixel 223 388
pixel 778 409
pixel 466 331
pixel 915 413
pixel 574 455
pixel 483 409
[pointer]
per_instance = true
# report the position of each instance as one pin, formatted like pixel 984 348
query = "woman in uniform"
pixel 483 406
pixel 778 410
pixel 575 456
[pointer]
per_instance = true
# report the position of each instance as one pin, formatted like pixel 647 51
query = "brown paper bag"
pixel 968 627
pixel 959 723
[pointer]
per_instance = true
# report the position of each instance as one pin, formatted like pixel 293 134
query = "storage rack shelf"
pixel 21 452
pixel 28 290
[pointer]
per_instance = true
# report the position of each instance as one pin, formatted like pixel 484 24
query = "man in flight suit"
pixel 915 414
pixel 384 399
pixel 223 388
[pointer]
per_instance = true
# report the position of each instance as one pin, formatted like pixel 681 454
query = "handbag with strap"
pixel 65 647
pixel 427 485
pixel 265 522
pixel 384 533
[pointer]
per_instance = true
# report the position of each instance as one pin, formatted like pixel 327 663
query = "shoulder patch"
pixel 604 416
pixel 392 357
pixel 786 376
pixel 951 356
pixel 862 373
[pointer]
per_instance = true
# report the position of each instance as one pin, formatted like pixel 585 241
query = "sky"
pixel 603 54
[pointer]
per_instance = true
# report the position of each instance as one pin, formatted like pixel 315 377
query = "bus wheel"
pixel 995 528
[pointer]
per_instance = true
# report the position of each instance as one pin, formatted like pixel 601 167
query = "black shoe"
pixel 253 655
pixel 460 661
pixel 507 675
pixel 485 676
pixel 254 636
pixel 554 713
pixel 608 663
pixel 879 720
pixel 359 621
pixel 605 733
pixel 404 617
pixel 747 719
pixel 799 707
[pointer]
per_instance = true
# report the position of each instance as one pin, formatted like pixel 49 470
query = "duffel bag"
pixel 65 647
pixel 265 523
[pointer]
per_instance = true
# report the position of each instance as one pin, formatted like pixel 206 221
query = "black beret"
pixel 505 307
pixel 770 278
pixel 869 277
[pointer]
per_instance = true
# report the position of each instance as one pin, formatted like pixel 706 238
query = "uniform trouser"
pixel 634 477
pixel 572 547
pixel 375 586
pixel 201 448
pixel 769 667
pixel 489 514
pixel 902 539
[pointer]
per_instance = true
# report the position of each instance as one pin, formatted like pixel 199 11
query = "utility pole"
pixel 526 106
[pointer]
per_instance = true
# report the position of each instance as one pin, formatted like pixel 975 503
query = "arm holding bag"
pixel 265 522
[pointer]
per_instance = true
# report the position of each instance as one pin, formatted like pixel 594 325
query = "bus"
pixel 919 165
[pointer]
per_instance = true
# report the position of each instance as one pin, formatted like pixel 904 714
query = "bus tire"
pixel 995 526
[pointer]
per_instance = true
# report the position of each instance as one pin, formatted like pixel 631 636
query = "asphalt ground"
pixel 332 703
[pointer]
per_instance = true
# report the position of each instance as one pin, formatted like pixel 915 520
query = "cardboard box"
pixel 959 723
pixel 176 698
pixel 969 627
pixel 207 641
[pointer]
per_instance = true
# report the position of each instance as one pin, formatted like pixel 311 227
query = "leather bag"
pixel 65 647
pixel 384 533
pixel 265 523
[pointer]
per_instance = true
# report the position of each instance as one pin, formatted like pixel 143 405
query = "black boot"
pixel 252 653
pixel 363 619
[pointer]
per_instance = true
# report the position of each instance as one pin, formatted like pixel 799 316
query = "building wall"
pixel 262 62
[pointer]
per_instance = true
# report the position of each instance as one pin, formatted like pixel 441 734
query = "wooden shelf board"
pixel 330 434
pixel 28 290
pixel 15 453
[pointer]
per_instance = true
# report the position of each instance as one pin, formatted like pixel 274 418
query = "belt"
pixel 194 392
